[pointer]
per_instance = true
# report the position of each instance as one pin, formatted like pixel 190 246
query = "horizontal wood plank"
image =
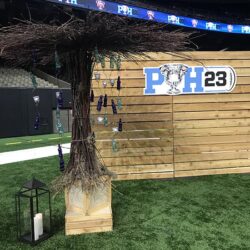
pixel 205 134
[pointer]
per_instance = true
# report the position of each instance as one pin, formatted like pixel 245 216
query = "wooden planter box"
pixel 88 212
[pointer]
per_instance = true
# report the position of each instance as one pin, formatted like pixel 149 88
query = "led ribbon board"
pixel 177 78
pixel 147 14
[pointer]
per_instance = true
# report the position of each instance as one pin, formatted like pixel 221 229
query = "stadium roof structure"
pixel 150 12
pixel 212 16
pixel 232 11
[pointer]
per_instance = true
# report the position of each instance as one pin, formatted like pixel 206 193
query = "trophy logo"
pixel 173 76
pixel 100 4
pixel 230 28
pixel 194 23
pixel 151 14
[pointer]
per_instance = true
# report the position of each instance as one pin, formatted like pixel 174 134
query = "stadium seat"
pixel 20 78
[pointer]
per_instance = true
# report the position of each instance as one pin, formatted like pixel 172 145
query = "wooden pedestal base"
pixel 88 212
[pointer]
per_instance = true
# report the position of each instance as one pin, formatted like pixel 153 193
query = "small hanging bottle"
pixel 119 104
pixel 33 80
pixel 120 125
pixel 103 61
pixel 118 62
pixel 105 101
pixel 37 121
pixel 36 100
pixel 58 115
pixel 112 62
pixel 114 145
pixel 59 127
pixel 119 83
pixel 99 104
pixel 104 84
pixel 92 96
pixel 59 98
pixel 112 82
pixel 61 161
pixel 105 120
pixel 113 107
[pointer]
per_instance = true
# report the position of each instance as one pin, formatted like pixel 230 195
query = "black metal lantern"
pixel 33 212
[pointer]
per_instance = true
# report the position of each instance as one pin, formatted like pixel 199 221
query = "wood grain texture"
pixel 88 212
pixel 186 135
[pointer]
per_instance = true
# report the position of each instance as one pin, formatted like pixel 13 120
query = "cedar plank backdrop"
pixel 187 135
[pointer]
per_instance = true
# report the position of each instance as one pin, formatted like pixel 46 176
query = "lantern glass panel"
pixel 33 212
pixel 25 218
pixel 44 209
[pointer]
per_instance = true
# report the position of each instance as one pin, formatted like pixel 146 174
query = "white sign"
pixel 177 78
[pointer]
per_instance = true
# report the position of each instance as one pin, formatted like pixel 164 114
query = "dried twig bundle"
pixel 76 41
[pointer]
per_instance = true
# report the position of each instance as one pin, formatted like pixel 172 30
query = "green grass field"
pixel 25 142
pixel 199 213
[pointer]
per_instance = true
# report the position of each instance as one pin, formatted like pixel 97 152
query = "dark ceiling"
pixel 207 40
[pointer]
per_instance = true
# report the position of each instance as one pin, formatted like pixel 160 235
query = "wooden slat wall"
pixel 187 135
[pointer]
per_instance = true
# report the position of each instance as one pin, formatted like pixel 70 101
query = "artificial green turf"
pixel 203 213
pixel 26 142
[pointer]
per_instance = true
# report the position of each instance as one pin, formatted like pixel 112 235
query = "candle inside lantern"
pixel 38 225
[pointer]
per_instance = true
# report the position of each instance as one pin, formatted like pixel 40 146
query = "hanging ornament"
pixel 119 103
pixel 61 160
pixel 92 96
pixel 114 145
pixel 59 98
pixel 112 82
pixel 33 80
pixel 37 121
pixel 59 127
pixel 113 107
pixel 96 55
pixel 97 76
pixel 112 62
pixel 103 61
pixel 104 84
pixel 105 101
pixel 118 83
pixel 118 62
pixel 120 125
pixel 105 120
pixel 36 100
pixel 99 104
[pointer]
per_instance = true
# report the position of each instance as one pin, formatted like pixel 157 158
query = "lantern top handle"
pixel 33 184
